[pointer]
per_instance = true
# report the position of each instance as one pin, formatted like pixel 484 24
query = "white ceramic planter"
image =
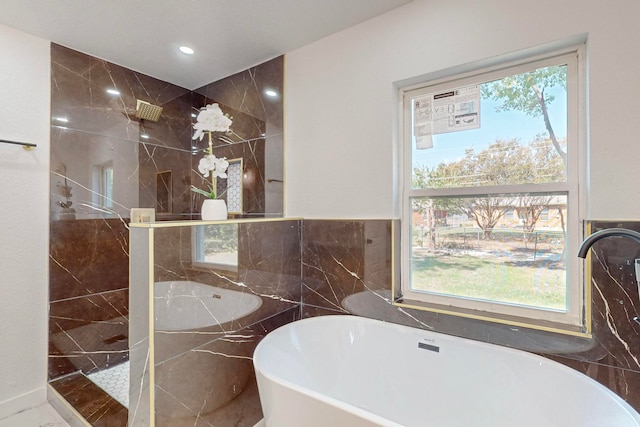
pixel 213 209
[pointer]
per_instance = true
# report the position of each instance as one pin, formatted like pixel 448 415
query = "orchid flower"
pixel 211 119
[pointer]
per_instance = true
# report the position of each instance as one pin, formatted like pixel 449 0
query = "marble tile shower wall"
pixel 258 120
pixel 342 260
pixel 94 134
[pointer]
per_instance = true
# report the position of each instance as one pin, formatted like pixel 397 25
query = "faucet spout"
pixel 609 232
pixel 613 232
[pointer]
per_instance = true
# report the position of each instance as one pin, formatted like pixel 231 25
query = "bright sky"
pixel 450 147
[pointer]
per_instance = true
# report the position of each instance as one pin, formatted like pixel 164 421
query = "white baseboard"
pixel 260 423
pixel 23 402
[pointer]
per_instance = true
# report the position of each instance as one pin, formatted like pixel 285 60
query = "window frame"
pixel 103 185
pixel 576 319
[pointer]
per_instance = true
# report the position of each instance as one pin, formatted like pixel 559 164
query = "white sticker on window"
pixel 451 111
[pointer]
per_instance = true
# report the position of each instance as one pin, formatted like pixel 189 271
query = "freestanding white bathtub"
pixel 353 371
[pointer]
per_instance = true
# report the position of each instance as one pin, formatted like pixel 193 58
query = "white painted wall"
pixel 24 219
pixel 339 110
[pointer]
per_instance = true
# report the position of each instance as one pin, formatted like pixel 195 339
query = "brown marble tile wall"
pixel 88 333
pixel 201 373
pixel 269 259
pixel 89 236
pixel 614 359
pixel 88 285
pixel 87 257
pixel 257 129
pixel 153 160
pixel 335 280
pixel 228 389
pixel 93 130
pixel 341 258
pixel 244 92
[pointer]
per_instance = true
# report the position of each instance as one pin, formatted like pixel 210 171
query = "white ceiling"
pixel 228 35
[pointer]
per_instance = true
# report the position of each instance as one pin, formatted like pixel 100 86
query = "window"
pixel 216 246
pixel 544 214
pixel 102 195
pixel 490 193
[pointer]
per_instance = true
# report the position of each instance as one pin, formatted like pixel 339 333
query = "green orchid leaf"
pixel 209 195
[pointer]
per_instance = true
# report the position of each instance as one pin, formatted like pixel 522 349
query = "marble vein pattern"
pixel 97 407
pixel 95 133
pixel 316 264
pixel 341 258
pixel 88 333
pixel 257 129
pixel 335 280
pixel 202 370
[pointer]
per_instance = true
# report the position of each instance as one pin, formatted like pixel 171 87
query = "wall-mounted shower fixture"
pixel 148 111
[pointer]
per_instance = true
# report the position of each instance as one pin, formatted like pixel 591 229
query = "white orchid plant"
pixel 211 119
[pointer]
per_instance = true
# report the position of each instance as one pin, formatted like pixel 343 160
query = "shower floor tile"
pixel 115 381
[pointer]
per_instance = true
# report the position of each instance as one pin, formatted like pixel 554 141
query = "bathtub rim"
pixel 258 367
pixel 347 407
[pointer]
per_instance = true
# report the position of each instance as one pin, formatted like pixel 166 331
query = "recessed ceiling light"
pixel 270 92
pixel 186 49
pixel 144 135
pixel 61 119
pixel 113 92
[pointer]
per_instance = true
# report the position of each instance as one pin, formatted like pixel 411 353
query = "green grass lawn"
pixel 531 283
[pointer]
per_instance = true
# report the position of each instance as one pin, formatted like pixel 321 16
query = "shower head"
pixel 147 111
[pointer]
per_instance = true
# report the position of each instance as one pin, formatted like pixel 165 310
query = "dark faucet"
pixel 613 232
pixel 608 232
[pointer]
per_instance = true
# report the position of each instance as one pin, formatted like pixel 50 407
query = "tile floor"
pixel 45 416
pixel 115 381
pixel 39 416
pixel 90 401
